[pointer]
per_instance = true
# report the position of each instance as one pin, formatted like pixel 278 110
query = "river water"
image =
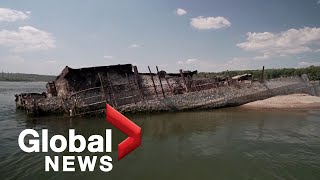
pixel 232 143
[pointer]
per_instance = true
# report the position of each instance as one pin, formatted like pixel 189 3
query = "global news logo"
pixel 94 144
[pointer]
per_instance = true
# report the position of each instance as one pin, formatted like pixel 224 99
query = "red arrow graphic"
pixel 126 126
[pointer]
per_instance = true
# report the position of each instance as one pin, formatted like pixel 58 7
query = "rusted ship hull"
pixel 86 91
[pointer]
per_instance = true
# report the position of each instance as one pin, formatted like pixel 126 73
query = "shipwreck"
pixel 85 91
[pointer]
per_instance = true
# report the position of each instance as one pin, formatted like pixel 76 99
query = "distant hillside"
pixel 25 77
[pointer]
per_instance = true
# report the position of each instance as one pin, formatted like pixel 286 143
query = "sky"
pixel 42 37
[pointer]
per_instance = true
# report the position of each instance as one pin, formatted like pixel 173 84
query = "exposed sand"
pixel 293 101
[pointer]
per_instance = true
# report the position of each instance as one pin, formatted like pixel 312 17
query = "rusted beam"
pixel 262 75
pixel 154 85
pixel 168 84
pixel 194 86
pixel 83 91
pixel 137 80
pixel 102 87
pixel 132 94
pixel 184 80
pixel 160 82
pixel 111 90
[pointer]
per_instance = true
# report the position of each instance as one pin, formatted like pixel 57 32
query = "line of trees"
pixel 313 73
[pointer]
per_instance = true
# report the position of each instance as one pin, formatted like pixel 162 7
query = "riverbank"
pixel 293 101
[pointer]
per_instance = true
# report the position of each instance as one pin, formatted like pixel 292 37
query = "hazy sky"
pixel 38 36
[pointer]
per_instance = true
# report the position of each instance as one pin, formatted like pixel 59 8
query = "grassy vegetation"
pixel 313 73
pixel 25 77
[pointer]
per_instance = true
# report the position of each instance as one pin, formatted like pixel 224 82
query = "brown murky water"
pixel 219 144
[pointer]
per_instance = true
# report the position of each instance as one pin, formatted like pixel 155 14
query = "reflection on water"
pixel 219 144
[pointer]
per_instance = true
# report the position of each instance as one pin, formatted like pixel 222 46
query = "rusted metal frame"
pixel 195 85
pixel 262 75
pixel 88 112
pixel 127 97
pixel 137 80
pixel 206 84
pixel 192 84
pixel 148 86
pixel 73 111
pixel 111 91
pixel 160 82
pixel 91 104
pixel 184 80
pixel 102 87
pixel 124 84
pixel 85 90
pixel 169 84
pixel 121 91
pixel 132 94
pixel 91 97
pixel 154 85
